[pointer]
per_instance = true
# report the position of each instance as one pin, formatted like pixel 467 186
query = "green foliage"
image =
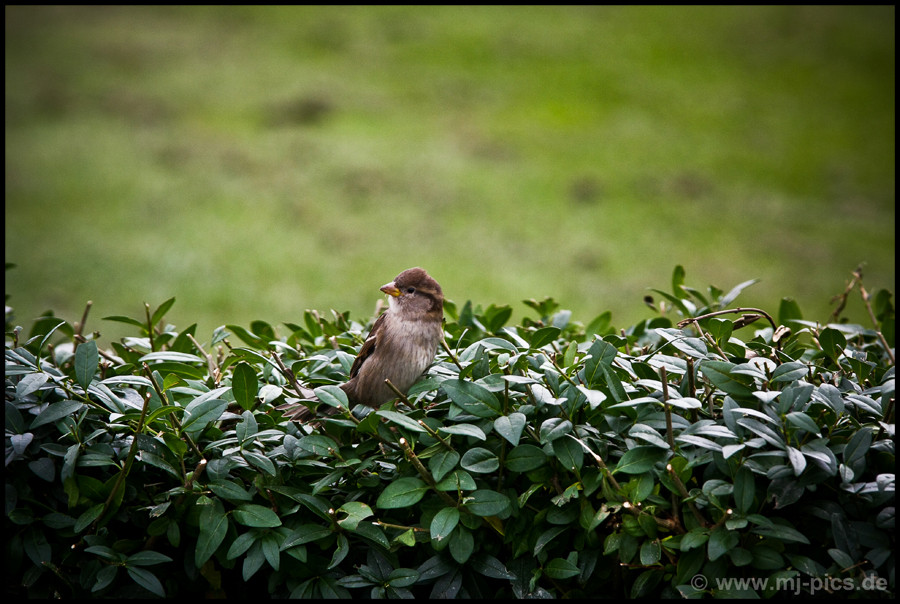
pixel 544 459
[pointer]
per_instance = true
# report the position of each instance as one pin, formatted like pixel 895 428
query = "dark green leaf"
pixel 857 446
pixel 147 580
pixel 510 427
pixel 601 355
pixel 251 514
pixel 525 458
pixel 244 385
pixel 485 502
pixel 269 546
pixel 160 312
pixel 640 459
pixel 37 548
pixel 401 420
pixel 719 373
pixel 356 511
pixel 200 412
pixel 720 541
pixel 544 336
pixel 306 533
pixel 832 342
pixel 442 462
pixel 464 430
pixel 105 576
pixel 479 460
pixel 332 395
pixel 320 445
pixel 553 428
pixel 744 490
pixel 86 361
pixel 30 383
pixel 147 558
pixel 473 398
pixel 213 527
pixel 650 552
pixel 569 453
pixel 720 330
pixel 401 493
pixel 457 480
pixel 247 336
pixel 462 544
pixel 241 544
pixel 128 320
pixel 546 537
pixel 678 282
pixel 788 312
pixel 490 566
pixel 443 523
pixel 788 372
pixel 560 568
pixel 54 412
pixel 781 532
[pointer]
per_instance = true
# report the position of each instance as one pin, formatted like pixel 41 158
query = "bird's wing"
pixel 368 347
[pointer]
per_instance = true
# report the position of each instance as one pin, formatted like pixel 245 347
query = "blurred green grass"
pixel 255 162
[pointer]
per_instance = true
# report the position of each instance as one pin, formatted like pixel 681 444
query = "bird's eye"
pixel 410 290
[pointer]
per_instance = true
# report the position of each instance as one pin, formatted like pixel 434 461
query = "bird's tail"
pixel 299 411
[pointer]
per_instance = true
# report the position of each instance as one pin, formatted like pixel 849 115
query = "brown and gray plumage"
pixel 399 348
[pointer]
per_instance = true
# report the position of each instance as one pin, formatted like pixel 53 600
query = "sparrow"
pixel 399 348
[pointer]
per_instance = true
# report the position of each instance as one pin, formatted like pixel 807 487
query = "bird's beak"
pixel 391 289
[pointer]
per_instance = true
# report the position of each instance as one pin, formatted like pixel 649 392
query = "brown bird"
pixel 399 348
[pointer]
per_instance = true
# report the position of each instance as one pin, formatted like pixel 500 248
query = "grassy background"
pixel 255 162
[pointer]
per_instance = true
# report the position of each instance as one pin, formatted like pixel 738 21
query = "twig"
pixel 175 420
pixel 424 473
pixel 287 373
pixel 684 322
pixel 149 326
pixel 434 434
pixel 887 348
pixel 126 467
pixel 80 326
pixel 691 385
pixel 599 461
pixel 214 371
pixel 684 493
pixel 711 340
pixel 450 352
pixel 667 407
pixel 841 298
pixel 399 394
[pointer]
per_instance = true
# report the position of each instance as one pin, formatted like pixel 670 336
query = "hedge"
pixel 712 450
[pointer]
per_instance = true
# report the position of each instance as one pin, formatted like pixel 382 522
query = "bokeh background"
pixel 254 162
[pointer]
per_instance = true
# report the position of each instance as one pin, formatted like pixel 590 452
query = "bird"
pixel 400 346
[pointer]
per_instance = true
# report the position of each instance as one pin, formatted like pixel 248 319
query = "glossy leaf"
pixel 639 460
pixel 479 460
pixel 443 523
pixel 86 359
pixel 510 427
pixel 401 493
pixel 244 385
pixel 472 398
pixel 524 458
